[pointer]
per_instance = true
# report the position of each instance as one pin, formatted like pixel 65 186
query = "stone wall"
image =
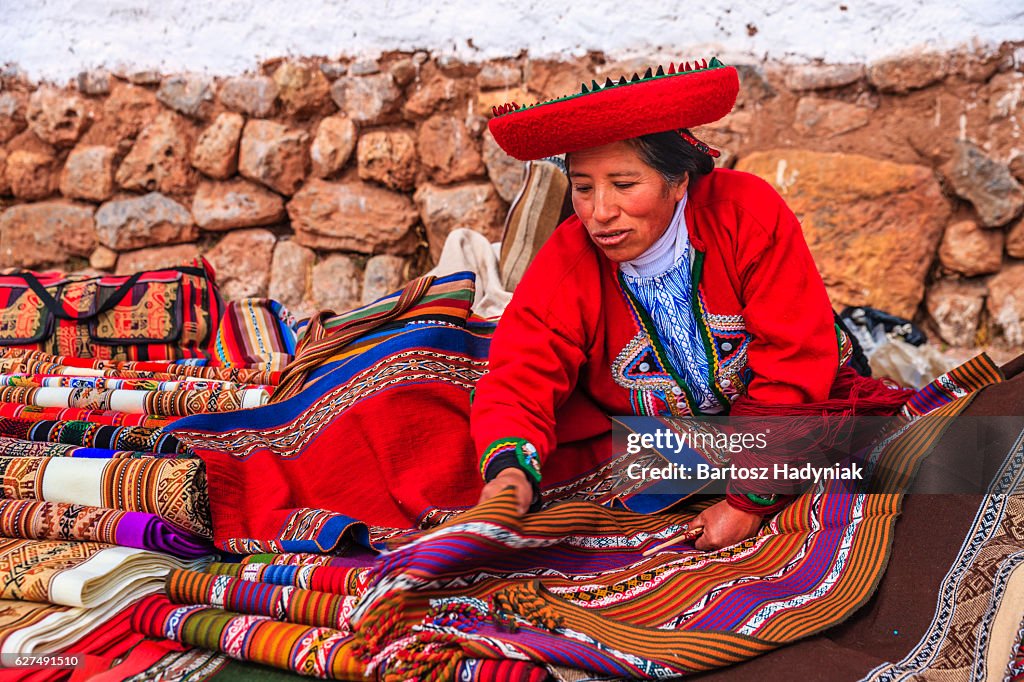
pixel 324 184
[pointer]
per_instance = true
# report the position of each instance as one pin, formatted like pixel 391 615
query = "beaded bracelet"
pixel 525 455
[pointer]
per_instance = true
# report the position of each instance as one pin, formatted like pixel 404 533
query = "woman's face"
pixel 624 203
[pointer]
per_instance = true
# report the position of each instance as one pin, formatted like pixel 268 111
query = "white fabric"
pixel 74 480
pixel 466 249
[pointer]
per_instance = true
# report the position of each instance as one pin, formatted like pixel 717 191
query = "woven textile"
pixel 304 474
pixel 111 383
pixel 307 576
pixel 312 651
pixel 952 385
pixel 256 333
pixel 568 586
pixel 173 489
pixel 91 435
pixel 74 573
pixel 327 337
pixel 14 360
pixel 100 417
pixel 116 578
pixel 61 521
pixel 309 651
pixel 14 447
pixel 448 299
pixel 975 589
pixel 282 602
pixel 174 403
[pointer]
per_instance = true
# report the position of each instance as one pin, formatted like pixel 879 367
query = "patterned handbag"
pixel 168 314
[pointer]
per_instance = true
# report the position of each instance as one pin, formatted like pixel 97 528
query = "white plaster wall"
pixel 55 39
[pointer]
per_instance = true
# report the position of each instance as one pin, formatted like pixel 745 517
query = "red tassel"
pixel 703 63
pixel 686 67
pixel 671 68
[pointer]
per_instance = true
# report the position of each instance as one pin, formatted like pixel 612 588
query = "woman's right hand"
pixel 510 478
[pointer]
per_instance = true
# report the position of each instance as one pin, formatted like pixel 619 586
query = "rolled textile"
pixel 110 383
pixel 62 521
pixel 177 403
pixel 173 489
pixel 280 602
pixel 331 579
pixel 88 434
pixel 315 652
pixel 352 556
pixel 17 447
pixel 37 362
pixel 102 417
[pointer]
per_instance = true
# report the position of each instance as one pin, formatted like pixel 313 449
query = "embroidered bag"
pixel 167 314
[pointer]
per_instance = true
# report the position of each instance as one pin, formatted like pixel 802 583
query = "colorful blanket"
pixel 567 586
pixel 307 473
pixel 173 403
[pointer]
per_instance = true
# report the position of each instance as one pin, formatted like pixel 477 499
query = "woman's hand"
pixel 510 478
pixel 724 525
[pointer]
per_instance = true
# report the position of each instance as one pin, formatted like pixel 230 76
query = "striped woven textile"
pixel 111 383
pixel 309 576
pixel 295 605
pixel 15 447
pixel 327 338
pixel 955 384
pixel 439 299
pixel 311 651
pixel 88 434
pixel 568 586
pixel 573 582
pixel 256 333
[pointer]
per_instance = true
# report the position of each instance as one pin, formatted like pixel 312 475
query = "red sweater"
pixel 572 348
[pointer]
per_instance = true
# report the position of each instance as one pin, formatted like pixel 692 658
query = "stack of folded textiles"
pixel 98 504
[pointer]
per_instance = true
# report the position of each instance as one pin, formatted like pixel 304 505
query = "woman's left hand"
pixel 724 525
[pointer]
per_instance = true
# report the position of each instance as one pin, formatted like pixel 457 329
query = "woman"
pixel 676 289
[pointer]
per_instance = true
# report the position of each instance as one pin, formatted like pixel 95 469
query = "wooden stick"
pixel 685 536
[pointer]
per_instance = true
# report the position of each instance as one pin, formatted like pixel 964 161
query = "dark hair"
pixel 672 156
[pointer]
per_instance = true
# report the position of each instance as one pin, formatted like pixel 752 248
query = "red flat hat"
pixel 692 96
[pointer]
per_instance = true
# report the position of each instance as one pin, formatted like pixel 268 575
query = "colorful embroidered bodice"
pixel 668 300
